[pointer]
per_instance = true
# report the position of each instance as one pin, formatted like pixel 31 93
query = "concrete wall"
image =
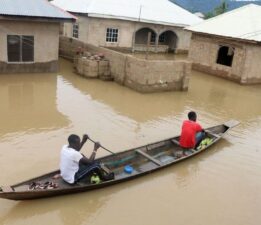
pixel 245 67
pixel 151 48
pixel 93 31
pixel 138 74
pixel 46 42
pixel 252 69
pixel 156 75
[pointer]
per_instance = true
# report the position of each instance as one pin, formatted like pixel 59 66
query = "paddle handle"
pixel 101 146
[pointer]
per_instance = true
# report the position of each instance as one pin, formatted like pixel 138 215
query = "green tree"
pixel 222 8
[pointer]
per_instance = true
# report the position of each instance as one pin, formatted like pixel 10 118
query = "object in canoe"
pixel 141 160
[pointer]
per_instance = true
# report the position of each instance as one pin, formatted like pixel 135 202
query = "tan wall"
pixel 141 75
pixel 245 67
pixel 154 75
pixel 46 38
pixel 252 70
pixel 93 31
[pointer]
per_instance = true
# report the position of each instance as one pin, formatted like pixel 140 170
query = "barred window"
pixel 20 48
pixel 75 30
pixel 112 35
pixel 162 38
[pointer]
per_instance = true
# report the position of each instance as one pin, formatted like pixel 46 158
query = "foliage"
pixel 222 8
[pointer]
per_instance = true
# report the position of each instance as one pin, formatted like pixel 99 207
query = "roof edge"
pixel 227 37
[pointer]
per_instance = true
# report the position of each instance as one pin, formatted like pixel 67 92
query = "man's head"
pixel 192 116
pixel 74 142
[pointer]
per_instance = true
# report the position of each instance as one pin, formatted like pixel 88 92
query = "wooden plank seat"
pixel 213 134
pixel 174 141
pixel 157 162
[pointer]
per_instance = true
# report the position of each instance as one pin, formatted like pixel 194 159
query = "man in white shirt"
pixel 73 165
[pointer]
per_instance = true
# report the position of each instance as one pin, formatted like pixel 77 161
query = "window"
pixel 75 30
pixel 112 35
pixel 20 48
pixel 162 38
pixel 225 55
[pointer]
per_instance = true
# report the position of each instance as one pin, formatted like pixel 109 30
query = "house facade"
pixel 29 35
pixel 129 24
pixel 229 45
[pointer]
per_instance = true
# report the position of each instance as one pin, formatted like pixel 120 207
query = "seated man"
pixel 191 132
pixel 75 166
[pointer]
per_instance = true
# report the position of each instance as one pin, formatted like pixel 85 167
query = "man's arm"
pixel 85 160
pixel 198 127
pixel 84 139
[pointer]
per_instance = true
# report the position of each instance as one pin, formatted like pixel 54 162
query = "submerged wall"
pixel 138 74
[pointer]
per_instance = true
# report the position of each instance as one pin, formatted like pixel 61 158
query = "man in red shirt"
pixel 191 132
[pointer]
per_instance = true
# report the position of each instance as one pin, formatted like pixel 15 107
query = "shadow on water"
pixel 81 208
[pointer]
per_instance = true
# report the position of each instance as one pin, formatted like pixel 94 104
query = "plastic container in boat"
pixel 128 169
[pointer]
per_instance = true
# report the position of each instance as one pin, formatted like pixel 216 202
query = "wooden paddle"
pixel 101 146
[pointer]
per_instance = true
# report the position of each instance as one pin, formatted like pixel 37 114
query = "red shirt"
pixel 188 134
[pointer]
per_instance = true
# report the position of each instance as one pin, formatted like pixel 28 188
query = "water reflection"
pixel 39 112
pixel 77 209
pixel 29 102
pixel 222 99
pixel 82 208
pixel 186 174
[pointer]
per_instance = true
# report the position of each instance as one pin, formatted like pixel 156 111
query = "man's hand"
pixel 85 138
pixel 96 146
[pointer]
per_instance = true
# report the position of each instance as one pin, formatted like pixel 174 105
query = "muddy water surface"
pixel 221 186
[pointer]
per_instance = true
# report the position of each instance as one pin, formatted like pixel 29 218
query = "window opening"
pixel 153 37
pixel 162 38
pixel 76 30
pixel 225 55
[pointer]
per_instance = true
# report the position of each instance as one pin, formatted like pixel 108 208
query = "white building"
pixel 127 23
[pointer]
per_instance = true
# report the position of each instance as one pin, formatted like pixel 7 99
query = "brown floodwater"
pixel 220 186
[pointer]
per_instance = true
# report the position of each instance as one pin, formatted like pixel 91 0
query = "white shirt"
pixel 69 163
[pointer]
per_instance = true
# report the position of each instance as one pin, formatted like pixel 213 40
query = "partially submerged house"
pixel 229 45
pixel 130 24
pixel 29 35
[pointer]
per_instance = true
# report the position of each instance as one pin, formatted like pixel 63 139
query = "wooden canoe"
pixel 143 160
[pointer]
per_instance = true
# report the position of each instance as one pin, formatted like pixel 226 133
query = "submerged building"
pixel 130 24
pixel 29 35
pixel 229 45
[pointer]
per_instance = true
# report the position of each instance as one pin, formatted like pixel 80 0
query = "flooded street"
pixel 220 186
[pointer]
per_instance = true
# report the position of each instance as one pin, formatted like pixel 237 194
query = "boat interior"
pixel 138 161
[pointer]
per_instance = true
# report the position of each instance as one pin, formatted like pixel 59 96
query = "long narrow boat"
pixel 141 160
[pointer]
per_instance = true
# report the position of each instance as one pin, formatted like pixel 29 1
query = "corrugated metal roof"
pixel 32 8
pixel 243 23
pixel 149 11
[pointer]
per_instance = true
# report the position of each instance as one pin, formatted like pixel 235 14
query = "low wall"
pixel 138 74
pixel 154 75
pixel 151 48
pixel 92 68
